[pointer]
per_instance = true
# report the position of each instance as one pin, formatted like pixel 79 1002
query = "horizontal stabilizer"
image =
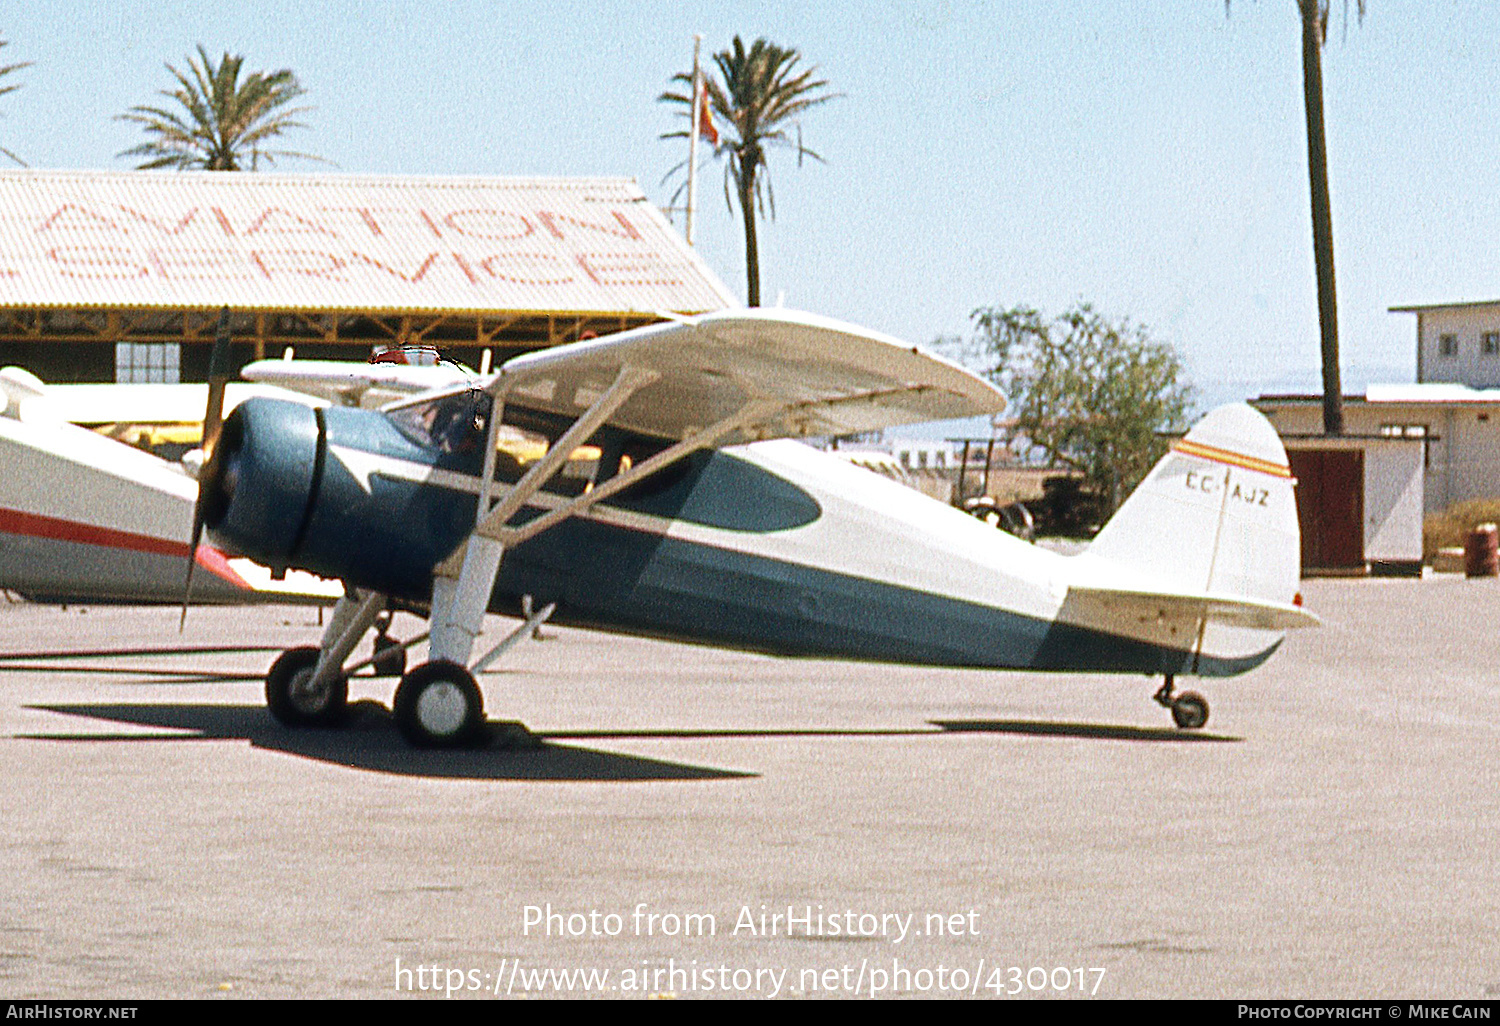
pixel 807 375
pixel 1228 610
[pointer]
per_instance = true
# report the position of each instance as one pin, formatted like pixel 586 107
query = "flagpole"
pixel 692 183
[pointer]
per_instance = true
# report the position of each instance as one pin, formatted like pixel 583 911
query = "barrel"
pixel 1481 552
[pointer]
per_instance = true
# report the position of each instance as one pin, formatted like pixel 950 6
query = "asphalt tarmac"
pixel 699 822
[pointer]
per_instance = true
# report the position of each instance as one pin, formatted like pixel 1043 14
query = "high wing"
pixel 806 376
pixel 719 379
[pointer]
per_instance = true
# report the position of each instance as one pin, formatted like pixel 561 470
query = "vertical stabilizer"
pixel 1216 515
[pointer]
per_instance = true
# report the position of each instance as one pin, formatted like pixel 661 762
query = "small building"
pixel 1360 495
pixel 1458 343
pixel 1443 431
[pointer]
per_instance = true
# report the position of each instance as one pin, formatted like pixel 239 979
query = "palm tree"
pixel 1314 14
pixel 757 104
pixel 10 89
pixel 225 121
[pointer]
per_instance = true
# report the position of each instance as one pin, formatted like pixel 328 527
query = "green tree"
pixel 1093 395
pixel 755 103
pixel 1314 17
pixel 6 70
pixel 225 121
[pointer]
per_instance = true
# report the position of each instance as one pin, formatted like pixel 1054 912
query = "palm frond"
pixel 224 120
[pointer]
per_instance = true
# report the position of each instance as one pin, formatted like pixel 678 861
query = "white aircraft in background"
pixel 88 513
pixel 85 517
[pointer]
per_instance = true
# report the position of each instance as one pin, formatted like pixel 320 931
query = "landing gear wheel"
pixel 293 702
pixel 438 705
pixel 1189 710
pixel 390 657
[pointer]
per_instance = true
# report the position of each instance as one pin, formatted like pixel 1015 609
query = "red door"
pixel 1330 507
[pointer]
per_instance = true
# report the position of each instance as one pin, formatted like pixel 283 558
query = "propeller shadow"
pixel 370 742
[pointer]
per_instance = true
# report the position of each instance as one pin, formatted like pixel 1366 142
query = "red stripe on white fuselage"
pixel 37 526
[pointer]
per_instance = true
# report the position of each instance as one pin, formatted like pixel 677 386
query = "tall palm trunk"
pixel 752 247
pixel 1322 214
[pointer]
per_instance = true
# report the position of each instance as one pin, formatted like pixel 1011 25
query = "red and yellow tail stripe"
pixel 1233 459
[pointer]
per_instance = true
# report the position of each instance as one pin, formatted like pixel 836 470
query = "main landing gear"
pixel 1189 709
pixel 438 703
pixel 296 700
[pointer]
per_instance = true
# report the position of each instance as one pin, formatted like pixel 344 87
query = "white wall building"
pixel 1458 343
pixel 1438 437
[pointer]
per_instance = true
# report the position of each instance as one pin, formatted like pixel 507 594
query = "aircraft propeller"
pixel 213 420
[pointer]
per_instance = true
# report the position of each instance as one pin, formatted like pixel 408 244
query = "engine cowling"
pixel 343 493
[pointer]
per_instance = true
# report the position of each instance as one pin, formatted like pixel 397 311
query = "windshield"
pixel 456 422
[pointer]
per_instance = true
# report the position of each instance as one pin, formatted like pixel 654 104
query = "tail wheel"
pixel 1189 710
pixel 438 705
pixel 294 701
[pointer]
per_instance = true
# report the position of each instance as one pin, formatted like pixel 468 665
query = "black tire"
pixel 390 657
pixel 288 698
pixel 1189 710
pixel 438 705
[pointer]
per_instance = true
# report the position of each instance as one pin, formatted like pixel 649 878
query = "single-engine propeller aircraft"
pixel 704 521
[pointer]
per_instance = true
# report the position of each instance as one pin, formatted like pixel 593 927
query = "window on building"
pixel 1403 430
pixel 1447 345
pixel 137 362
pixel 1489 343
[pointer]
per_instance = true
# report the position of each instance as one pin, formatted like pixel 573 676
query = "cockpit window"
pixel 456 422
pixel 452 423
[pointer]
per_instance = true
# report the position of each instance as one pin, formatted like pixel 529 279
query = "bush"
pixel 1450 527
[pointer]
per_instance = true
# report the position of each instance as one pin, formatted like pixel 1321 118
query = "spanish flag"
pixel 706 128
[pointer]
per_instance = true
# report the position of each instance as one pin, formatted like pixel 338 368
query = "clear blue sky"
pixel 1147 157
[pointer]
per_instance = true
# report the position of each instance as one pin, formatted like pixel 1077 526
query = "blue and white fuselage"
pixel 770 546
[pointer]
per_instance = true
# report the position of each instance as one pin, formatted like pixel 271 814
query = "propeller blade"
pixel 213 420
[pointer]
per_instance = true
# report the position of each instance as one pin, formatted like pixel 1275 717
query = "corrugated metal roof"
pixel 337 242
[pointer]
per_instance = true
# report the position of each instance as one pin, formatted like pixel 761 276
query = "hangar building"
pixel 120 275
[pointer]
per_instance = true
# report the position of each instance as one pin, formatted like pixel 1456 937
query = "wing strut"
pixel 462 583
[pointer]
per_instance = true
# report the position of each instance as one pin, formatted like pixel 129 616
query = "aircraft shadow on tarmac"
pixel 1101 731
pixel 370 742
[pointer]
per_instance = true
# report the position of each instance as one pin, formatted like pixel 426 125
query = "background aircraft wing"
pixel 353 384
pixel 814 376
pixel 94 404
